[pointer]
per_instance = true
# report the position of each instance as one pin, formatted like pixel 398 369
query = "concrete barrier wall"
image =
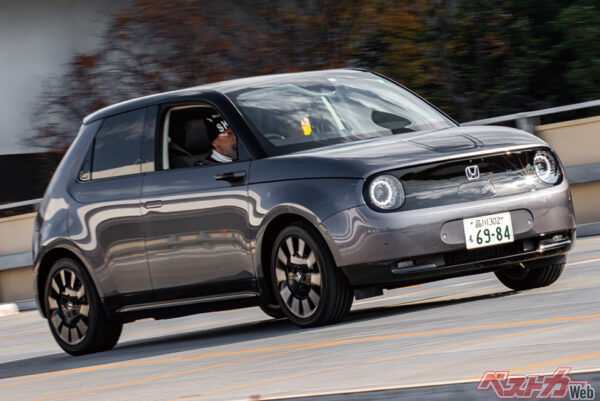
pixel 15 238
pixel 15 233
pixel 576 141
pixel 578 144
pixel 16 284
pixel 586 200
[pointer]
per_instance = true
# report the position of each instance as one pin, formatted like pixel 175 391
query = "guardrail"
pixel 30 202
pixel 18 208
pixel 527 121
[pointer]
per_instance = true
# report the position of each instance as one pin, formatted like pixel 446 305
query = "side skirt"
pixel 188 306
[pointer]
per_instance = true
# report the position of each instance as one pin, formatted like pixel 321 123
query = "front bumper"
pixel 533 251
pixel 364 241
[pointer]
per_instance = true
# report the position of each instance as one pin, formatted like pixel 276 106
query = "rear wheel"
pixel 309 287
pixel 75 316
pixel 522 277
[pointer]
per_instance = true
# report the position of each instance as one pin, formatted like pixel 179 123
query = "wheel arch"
pixel 45 264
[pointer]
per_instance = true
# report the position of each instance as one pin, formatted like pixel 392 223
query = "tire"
pixel 521 278
pixel 75 315
pixel 273 310
pixel 310 289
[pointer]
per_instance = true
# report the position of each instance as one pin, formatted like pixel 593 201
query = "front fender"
pixel 311 199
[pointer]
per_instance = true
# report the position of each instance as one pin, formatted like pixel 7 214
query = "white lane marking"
pixel 420 291
pixel 582 262
pixel 472 282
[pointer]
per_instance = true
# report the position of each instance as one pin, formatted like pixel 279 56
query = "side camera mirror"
pixel 390 121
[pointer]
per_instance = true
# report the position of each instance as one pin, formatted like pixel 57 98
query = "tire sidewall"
pixel 274 311
pixel 528 279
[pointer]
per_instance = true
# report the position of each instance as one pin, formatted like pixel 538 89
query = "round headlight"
pixel 546 167
pixel 385 193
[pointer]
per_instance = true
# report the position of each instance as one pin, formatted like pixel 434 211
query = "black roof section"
pixel 222 87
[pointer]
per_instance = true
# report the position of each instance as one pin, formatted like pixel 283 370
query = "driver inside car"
pixel 224 146
pixel 199 133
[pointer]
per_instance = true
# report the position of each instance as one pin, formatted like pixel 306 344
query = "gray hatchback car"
pixel 296 193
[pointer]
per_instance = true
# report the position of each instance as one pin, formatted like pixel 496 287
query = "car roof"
pixel 223 87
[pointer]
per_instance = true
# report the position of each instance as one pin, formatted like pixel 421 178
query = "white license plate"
pixel 488 230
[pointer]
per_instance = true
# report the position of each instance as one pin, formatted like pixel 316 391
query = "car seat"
pixel 195 141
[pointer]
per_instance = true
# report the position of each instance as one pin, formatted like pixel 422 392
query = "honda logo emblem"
pixel 472 172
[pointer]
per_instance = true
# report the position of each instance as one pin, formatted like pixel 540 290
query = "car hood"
pixel 364 158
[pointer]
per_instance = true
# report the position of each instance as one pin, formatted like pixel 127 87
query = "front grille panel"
pixel 446 183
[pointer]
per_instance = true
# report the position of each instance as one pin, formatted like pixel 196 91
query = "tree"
pixel 473 58
pixel 158 46
pixel 581 45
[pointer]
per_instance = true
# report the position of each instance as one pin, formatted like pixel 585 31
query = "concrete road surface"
pixel 445 332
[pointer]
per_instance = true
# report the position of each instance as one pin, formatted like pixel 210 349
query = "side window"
pixel 196 135
pixel 116 149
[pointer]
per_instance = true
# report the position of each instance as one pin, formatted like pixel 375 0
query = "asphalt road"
pixel 448 332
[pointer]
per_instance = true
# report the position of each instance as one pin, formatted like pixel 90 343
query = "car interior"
pixel 187 136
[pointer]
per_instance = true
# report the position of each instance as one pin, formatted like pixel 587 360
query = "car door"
pixel 196 227
pixel 106 224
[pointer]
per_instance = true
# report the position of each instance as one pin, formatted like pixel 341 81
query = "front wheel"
pixel 309 287
pixel 272 310
pixel 75 316
pixel 522 277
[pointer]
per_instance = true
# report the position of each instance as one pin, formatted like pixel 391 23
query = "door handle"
pixel 153 204
pixel 231 176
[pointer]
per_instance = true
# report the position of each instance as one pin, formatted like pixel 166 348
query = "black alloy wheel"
pixel 309 287
pixel 68 307
pixel 75 315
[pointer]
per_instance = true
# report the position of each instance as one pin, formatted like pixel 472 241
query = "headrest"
pixel 196 138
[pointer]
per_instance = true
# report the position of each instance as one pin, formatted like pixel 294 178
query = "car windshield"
pixel 300 114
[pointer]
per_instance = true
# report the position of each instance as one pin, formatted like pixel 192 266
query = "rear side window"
pixel 117 145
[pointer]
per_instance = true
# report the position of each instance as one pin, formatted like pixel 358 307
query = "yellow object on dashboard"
pixel 306 126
